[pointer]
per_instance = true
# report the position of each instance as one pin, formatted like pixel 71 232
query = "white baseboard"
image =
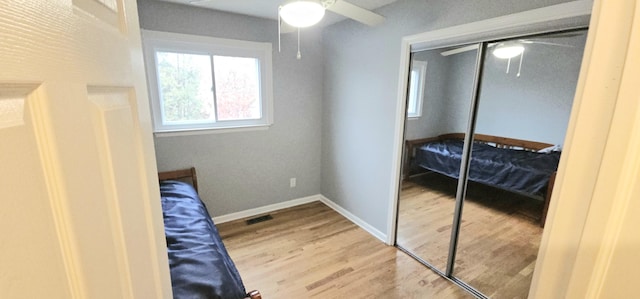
pixel 266 209
pixel 300 201
pixel 353 218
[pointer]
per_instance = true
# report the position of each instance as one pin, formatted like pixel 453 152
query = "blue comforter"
pixel 199 262
pixel 513 170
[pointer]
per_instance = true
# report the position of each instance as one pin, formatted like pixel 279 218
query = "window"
pixel 417 78
pixel 205 83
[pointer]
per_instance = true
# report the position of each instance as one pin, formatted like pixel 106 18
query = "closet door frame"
pixel 463 180
pixel 562 17
pixel 566 16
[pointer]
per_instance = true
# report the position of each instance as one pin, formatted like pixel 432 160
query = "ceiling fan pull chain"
pixel 298 56
pixel 520 67
pixel 508 65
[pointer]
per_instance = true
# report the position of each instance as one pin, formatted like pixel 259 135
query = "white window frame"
pixel 156 41
pixel 421 68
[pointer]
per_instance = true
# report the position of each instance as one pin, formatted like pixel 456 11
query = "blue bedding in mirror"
pixel 519 171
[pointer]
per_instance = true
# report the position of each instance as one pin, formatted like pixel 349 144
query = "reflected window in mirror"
pixel 417 79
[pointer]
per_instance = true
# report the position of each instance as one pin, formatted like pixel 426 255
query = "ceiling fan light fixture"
pixel 508 51
pixel 302 13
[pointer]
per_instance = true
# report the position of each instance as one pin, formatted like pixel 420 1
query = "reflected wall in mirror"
pixel 427 201
pixel 523 108
pixel 527 103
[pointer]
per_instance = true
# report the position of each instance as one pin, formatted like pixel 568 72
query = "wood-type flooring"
pixel 499 235
pixel 311 251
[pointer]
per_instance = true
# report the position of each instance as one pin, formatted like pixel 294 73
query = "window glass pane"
pixel 185 88
pixel 203 83
pixel 414 80
pixel 237 87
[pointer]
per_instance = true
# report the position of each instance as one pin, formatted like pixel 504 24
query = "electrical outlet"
pixel 292 182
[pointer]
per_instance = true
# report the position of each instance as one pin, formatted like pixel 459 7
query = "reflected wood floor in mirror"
pixel 499 236
pixel 310 251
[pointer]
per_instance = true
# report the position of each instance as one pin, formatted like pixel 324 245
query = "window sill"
pixel 189 132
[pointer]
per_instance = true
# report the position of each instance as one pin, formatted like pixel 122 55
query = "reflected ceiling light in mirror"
pixel 510 50
pixel 507 51
pixel 302 13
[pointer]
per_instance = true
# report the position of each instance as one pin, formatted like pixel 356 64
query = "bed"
pixel 515 165
pixel 198 260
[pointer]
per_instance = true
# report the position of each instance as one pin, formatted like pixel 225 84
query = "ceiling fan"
pixel 296 14
pixel 515 42
pixel 509 49
pixel 305 13
pixel 516 48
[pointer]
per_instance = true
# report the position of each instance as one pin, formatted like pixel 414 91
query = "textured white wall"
pixel 244 170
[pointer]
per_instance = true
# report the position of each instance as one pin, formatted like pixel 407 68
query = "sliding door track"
pixel 452 279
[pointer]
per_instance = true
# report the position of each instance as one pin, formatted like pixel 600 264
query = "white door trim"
pixel 57 194
pixel 83 217
pixel 598 181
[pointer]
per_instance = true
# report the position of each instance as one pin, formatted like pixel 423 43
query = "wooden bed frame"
pixel 189 175
pixel 497 141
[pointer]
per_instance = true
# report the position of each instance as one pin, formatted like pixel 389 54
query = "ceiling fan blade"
pixel 545 43
pixel 565 34
pixel 196 2
pixel 356 13
pixel 459 50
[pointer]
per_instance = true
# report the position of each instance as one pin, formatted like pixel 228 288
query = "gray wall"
pixel 535 106
pixel 447 97
pixel 459 89
pixel 244 170
pixel 432 122
pixel 360 82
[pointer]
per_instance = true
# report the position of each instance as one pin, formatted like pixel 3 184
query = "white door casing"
pixel 81 214
pixel 590 246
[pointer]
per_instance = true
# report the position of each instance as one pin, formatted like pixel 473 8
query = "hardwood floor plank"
pixel 311 251
pixel 499 235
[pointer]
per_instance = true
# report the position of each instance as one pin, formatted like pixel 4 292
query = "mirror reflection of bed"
pixel 521 115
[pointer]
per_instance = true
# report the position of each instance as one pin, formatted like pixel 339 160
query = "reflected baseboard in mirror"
pixel 509 230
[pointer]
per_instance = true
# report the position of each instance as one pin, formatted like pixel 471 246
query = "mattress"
pixel 198 260
pixel 519 171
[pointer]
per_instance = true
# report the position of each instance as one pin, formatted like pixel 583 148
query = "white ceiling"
pixel 269 8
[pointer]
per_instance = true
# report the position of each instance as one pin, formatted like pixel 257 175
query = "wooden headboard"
pixel 501 142
pixel 497 141
pixel 188 175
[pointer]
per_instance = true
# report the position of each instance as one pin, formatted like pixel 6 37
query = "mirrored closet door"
pixel 438 103
pixel 483 138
